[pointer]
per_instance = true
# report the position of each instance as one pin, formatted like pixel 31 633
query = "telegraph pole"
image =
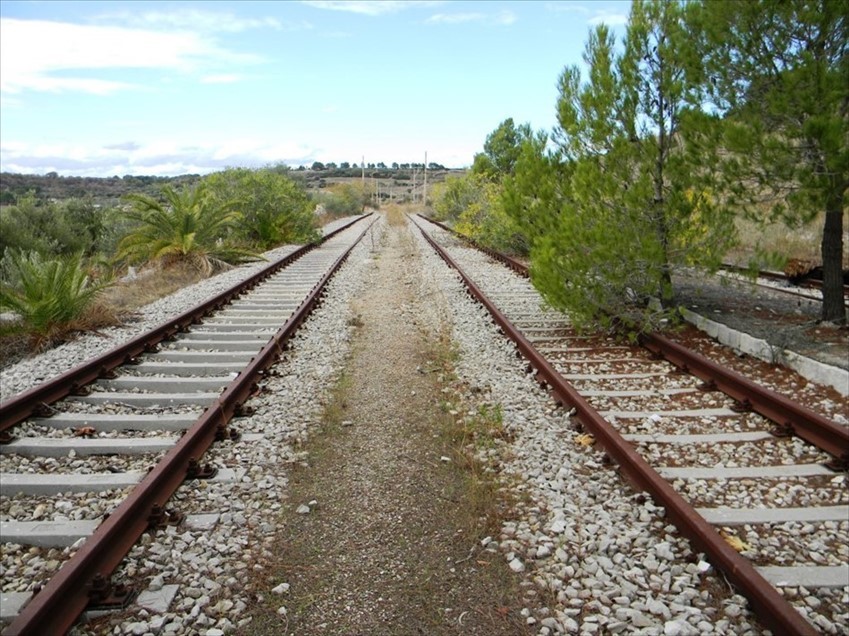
pixel 424 191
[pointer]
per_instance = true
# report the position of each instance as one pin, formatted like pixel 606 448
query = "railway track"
pixel 122 432
pixel 671 437
pixel 808 288
pixel 753 480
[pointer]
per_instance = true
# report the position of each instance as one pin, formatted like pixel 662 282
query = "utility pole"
pixel 413 191
pixel 424 191
pixel 363 167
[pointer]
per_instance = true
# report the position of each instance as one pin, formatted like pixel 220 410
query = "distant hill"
pixel 104 190
pixel 109 190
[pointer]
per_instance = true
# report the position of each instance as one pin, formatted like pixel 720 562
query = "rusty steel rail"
pixel 790 418
pixel 510 262
pixel 33 401
pixel 806 282
pixel 57 606
pixel 771 607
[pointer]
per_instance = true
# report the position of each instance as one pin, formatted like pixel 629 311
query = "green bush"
pixel 344 199
pixel 273 208
pixel 50 295
pixel 66 227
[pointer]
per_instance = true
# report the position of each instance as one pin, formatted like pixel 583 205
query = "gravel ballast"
pixel 593 556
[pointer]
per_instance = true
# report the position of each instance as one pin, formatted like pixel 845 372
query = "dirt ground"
pixel 392 542
pixel 783 320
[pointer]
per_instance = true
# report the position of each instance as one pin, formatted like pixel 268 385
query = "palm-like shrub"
pixel 273 208
pixel 51 296
pixel 187 228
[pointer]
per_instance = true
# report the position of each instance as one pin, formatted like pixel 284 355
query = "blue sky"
pixel 165 88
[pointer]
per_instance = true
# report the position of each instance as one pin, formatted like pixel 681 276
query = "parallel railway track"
pixel 686 431
pixel 809 288
pixel 664 424
pixel 165 397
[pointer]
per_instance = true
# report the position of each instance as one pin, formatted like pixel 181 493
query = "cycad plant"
pixel 187 228
pixel 51 296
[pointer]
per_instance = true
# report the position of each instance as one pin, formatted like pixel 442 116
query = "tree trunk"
pixel 833 309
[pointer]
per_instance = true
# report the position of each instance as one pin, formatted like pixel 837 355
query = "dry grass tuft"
pixel 468 433
pixel 151 285
pixel 758 241
pixel 395 213
pixel 17 342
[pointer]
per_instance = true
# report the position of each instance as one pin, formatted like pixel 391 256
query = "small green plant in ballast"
pixel 51 297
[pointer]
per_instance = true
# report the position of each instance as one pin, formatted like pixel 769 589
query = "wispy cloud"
pixel 567 7
pixel 592 14
pixel 41 55
pixel 199 21
pixel 221 79
pixel 504 18
pixel 611 18
pixel 152 158
pixel 371 7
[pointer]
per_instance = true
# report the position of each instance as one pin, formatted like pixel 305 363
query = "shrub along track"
pixel 652 402
pixel 226 351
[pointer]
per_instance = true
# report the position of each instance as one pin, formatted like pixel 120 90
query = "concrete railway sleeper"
pixel 183 384
pixel 667 427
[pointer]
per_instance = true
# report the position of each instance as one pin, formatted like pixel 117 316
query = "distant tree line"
pixel 101 189
pixel 354 169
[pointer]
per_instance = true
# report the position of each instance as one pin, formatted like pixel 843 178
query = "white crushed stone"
pixel 595 559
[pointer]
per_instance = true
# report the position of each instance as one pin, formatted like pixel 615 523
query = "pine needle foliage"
pixel 623 195
pixel 778 73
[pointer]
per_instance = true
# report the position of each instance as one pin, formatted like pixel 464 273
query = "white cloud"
pixel 199 21
pixel 504 18
pixel 454 18
pixel 32 52
pixel 221 79
pixel 610 18
pixel 370 7
pixel 161 157
pixel 203 21
pixel 593 15
pixel 567 7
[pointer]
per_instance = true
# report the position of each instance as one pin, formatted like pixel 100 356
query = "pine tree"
pixel 639 199
pixel 778 72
